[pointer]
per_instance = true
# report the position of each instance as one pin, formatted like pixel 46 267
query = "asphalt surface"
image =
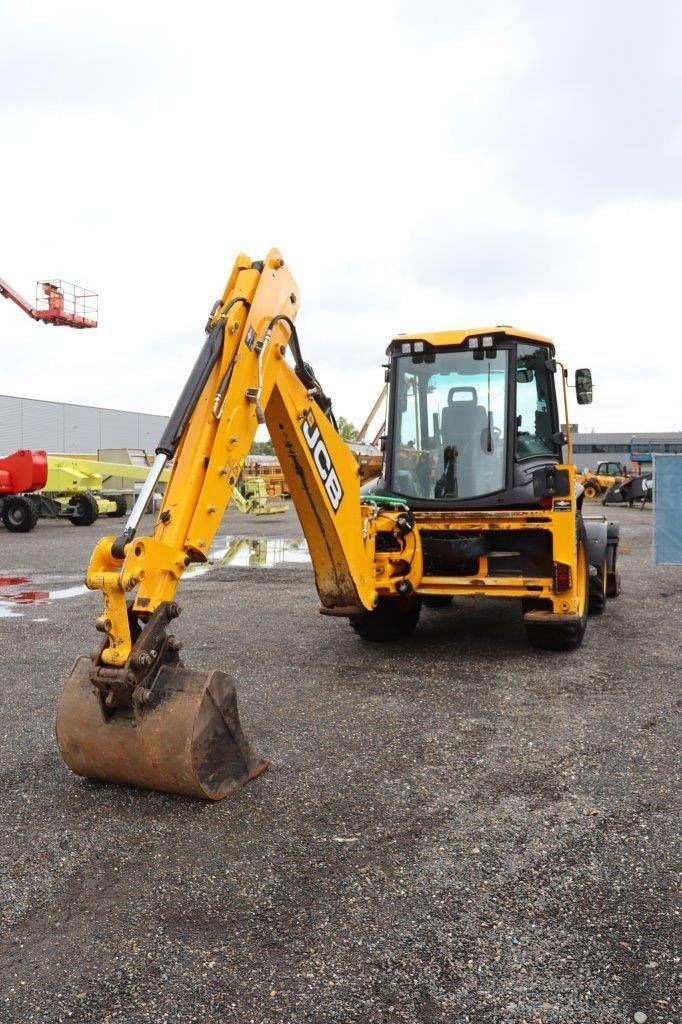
pixel 454 827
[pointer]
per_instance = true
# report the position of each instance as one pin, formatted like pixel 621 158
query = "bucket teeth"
pixel 183 737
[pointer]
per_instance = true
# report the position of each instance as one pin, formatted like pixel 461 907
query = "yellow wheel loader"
pixel 475 498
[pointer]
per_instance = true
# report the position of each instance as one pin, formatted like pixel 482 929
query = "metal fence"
pixel 62 427
pixel 668 509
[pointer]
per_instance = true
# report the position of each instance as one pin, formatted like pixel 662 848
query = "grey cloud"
pixel 491 259
pixel 429 22
pixel 594 113
pixel 355 286
pixel 62 69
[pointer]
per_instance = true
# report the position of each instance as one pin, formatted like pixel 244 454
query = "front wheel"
pixel 19 514
pixel 393 619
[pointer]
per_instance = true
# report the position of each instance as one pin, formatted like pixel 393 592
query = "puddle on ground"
pixel 12 600
pixel 247 552
pixel 251 553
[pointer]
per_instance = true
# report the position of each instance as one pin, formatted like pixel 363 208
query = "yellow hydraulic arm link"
pixel 241 380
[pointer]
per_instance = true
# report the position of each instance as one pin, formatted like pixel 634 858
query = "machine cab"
pixel 472 418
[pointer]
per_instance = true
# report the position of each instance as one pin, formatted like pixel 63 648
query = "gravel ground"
pixel 454 828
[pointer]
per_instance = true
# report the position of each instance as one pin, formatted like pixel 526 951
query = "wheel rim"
pixel 590 492
pixel 16 516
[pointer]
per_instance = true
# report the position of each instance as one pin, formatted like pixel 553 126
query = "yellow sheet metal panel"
pixel 87 474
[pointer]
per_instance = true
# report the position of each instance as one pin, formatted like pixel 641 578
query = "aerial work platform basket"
pixel 62 303
pixel 59 303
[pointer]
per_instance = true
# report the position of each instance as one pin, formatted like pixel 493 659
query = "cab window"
pixel 534 407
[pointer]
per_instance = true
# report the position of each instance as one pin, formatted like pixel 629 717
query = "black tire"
pixel 121 506
pixel 564 636
pixel 437 600
pixel 598 592
pixel 393 619
pixel 19 514
pixel 613 586
pixel 85 510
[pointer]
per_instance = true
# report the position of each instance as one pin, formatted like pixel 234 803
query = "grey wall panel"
pixel 81 428
pixel 151 429
pixel 119 429
pixel 10 424
pixel 60 427
pixel 42 425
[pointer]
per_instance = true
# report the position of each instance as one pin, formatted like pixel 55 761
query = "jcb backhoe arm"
pixel 132 713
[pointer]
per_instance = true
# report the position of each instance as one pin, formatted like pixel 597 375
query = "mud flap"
pixel 186 739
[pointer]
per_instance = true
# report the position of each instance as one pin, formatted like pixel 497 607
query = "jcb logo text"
pixel 322 460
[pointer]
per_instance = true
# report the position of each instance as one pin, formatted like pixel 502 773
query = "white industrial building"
pixel 627 448
pixel 62 427
pixel 72 429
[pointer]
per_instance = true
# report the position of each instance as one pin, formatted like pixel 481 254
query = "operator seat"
pixel 543 427
pixel 462 421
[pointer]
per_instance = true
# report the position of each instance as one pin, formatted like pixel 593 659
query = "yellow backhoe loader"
pixel 476 498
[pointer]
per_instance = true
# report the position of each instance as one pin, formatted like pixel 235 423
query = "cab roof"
pixel 444 338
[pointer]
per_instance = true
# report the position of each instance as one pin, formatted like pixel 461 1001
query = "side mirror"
pixel 524 375
pixel 583 387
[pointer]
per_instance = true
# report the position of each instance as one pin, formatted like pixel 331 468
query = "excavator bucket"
pixel 183 737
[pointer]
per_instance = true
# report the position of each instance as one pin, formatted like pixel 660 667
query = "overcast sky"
pixel 422 165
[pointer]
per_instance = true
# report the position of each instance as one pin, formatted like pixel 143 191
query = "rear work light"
pixel 562 577
pixel 420 350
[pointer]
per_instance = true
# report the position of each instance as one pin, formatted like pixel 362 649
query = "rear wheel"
pixel 597 601
pixel 592 489
pixel 121 506
pixel 565 636
pixel 85 510
pixel 19 514
pixel 612 570
pixel 392 619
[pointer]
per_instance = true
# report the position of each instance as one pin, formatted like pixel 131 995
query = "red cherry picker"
pixel 59 303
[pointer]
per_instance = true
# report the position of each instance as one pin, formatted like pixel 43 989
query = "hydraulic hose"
pixel 186 403
pixel 304 371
